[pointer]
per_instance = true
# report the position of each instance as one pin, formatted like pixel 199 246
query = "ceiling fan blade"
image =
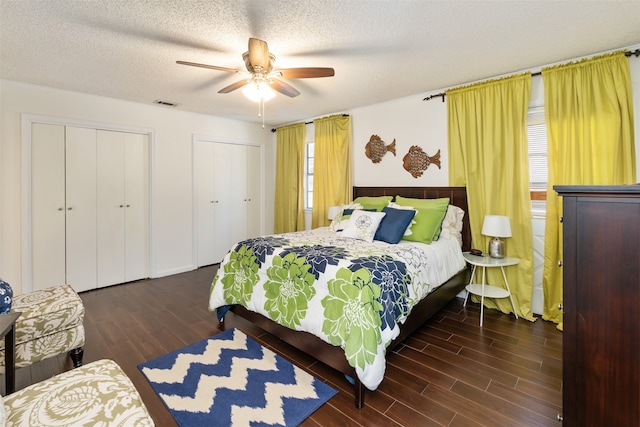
pixel 259 53
pixel 283 88
pixel 234 86
pixel 306 73
pixel 211 67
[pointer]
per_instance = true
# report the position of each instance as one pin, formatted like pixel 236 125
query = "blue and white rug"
pixel 231 380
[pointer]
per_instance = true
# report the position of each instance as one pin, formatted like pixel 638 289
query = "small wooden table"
pixel 7 323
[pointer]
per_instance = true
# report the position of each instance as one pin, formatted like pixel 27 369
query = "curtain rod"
pixel 636 53
pixel 307 123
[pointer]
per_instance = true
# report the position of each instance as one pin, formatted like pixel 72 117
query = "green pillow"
pixel 377 203
pixel 428 219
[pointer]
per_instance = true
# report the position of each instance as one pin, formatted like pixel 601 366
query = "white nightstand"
pixel 484 290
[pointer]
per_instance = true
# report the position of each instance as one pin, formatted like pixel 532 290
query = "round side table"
pixel 482 289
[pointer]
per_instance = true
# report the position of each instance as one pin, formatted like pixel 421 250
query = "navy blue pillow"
pixel 394 224
pixel 350 211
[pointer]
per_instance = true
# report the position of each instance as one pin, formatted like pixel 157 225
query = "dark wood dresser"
pixel 601 305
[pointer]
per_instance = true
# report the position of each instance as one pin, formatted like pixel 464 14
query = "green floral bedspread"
pixel 348 292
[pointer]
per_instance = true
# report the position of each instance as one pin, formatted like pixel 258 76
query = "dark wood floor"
pixel 449 373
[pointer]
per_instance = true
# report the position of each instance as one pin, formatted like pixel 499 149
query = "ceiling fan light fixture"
pixel 258 91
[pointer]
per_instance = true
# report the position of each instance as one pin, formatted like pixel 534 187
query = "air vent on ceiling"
pixel 165 103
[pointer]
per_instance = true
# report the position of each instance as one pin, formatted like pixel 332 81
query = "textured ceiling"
pixel 380 50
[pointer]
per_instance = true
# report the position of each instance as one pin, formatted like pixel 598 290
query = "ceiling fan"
pixel 259 63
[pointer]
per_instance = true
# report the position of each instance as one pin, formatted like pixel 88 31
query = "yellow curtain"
pixel 589 115
pixel 289 197
pixel 332 168
pixel 488 154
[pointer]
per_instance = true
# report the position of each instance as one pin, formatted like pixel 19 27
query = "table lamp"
pixel 496 226
pixel 333 211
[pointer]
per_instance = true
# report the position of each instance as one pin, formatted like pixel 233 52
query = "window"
pixel 538 166
pixel 308 175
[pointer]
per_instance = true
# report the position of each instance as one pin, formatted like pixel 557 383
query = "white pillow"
pixel 339 222
pixel 394 205
pixel 452 223
pixel 363 225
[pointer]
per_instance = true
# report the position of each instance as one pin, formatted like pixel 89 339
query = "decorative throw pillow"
pixel 394 224
pixel 378 203
pixel 408 208
pixel 341 219
pixel 452 224
pixel 428 218
pixel 363 225
pixel 6 297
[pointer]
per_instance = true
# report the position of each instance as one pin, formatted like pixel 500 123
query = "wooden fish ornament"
pixel 375 148
pixel 417 161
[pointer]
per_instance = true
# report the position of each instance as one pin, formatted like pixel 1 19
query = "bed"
pixel 314 321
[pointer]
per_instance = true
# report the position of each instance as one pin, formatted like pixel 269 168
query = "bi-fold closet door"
pixel 80 234
pixel 228 197
pixel 122 207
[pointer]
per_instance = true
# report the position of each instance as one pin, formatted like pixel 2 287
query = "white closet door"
pixel 224 189
pixel 110 213
pixel 224 203
pixel 206 201
pixel 47 205
pixel 254 203
pixel 122 207
pixel 239 196
pixel 81 208
pixel 136 166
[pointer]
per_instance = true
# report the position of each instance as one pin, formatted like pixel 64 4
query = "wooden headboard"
pixel 457 196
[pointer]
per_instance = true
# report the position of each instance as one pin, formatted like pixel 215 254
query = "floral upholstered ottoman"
pixel 97 394
pixel 51 323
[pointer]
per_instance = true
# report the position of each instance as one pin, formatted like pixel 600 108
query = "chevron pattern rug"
pixel 231 380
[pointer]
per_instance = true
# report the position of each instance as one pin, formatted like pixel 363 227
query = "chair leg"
pixel 76 356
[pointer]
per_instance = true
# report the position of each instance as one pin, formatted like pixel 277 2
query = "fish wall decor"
pixel 375 148
pixel 417 161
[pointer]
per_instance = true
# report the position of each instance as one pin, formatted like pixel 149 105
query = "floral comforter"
pixel 350 293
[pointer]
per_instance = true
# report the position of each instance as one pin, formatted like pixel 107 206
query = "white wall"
pixel 410 121
pixel 172 180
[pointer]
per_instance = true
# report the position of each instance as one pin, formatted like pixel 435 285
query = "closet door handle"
pixel 69 209
pixel 60 209
pixel 128 206
pixel 122 206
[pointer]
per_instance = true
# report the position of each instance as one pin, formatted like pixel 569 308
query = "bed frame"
pixel 431 304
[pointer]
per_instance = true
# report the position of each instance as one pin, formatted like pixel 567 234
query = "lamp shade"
pixel 496 226
pixel 333 211
pixel 258 91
